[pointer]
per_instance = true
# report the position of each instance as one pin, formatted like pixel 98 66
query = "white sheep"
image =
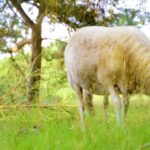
pixel 103 60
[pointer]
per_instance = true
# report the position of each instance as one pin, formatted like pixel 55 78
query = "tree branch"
pixel 40 18
pixel 9 5
pixel 19 45
pixel 25 17
pixel 22 106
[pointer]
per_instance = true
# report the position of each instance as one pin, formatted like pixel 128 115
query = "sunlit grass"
pixel 46 129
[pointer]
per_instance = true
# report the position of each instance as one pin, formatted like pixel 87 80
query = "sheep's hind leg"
pixel 79 93
pixel 106 103
pixel 88 101
pixel 126 98
pixel 116 102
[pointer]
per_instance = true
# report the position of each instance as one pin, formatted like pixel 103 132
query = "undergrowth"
pixel 59 129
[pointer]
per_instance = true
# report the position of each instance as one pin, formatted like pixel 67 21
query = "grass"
pixel 45 129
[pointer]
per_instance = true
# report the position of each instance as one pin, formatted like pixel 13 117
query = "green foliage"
pixel 15 72
pixel 54 51
pixel 78 13
pixel 128 17
pixel 53 74
pixel 13 79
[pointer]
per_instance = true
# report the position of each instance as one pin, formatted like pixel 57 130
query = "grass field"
pixel 46 129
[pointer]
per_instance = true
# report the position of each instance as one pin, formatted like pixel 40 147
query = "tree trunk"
pixel 36 58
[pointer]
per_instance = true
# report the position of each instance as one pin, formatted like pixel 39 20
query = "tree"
pixel 36 40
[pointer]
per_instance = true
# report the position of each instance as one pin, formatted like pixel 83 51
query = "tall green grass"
pixel 46 129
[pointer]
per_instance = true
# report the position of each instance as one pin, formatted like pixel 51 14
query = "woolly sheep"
pixel 101 60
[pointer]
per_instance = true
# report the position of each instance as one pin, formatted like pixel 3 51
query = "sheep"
pixel 108 60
